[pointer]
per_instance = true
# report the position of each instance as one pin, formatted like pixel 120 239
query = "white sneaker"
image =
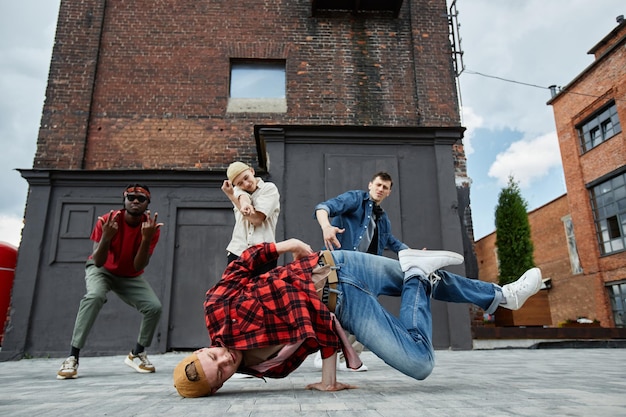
pixel 341 365
pixel 69 369
pixel 428 260
pixel 516 293
pixel 317 360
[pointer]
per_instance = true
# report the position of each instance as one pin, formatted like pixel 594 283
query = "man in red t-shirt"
pixel 123 243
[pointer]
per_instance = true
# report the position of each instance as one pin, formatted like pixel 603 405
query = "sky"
pixel 513 50
pixel 510 127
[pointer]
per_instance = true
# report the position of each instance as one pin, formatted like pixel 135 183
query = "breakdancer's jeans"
pixel 404 343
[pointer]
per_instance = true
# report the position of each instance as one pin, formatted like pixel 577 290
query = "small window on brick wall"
pixel 257 87
pixel 599 128
pixel 609 210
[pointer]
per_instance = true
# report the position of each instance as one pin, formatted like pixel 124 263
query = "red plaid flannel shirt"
pixel 243 311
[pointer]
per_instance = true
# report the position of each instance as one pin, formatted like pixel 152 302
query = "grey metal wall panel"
pixel 308 165
pixel 422 206
pixel 202 235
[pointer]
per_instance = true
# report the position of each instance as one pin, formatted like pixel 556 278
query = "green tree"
pixel 515 248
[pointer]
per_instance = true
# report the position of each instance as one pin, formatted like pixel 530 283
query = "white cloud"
pixel 471 121
pixel 527 160
pixel 11 229
pixel 534 42
pixel 507 45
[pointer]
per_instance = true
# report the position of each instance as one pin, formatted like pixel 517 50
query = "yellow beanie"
pixel 235 169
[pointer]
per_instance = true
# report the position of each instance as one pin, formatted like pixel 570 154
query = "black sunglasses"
pixel 133 197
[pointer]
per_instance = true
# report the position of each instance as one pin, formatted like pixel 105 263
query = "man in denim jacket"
pixel 358 224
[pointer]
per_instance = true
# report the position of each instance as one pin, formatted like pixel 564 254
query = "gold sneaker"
pixel 139 362
pixel 69 369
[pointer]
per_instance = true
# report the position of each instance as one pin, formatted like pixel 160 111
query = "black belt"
pixel 331 284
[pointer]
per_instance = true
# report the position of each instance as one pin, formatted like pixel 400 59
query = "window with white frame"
pixel 608 201
pixel 599 128
pixel 617 295
pixel 574 260
pixel 257 86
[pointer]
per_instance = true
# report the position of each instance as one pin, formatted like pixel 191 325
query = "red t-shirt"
pixel 124 245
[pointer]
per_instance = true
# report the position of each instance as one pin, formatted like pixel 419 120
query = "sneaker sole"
pixel 133 365
pixel 67 377
pixel 361 369
pixel 437 254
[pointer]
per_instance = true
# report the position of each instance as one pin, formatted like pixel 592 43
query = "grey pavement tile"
pixel 501 382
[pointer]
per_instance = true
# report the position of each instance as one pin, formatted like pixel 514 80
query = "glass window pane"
pixel 605 188
pixel 599 127
pixel 257 80
pixel 607 129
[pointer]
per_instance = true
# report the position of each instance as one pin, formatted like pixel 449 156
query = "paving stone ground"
pixel 496 382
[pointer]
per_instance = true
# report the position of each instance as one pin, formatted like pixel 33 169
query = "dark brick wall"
pixel 144 84
pixel 63 131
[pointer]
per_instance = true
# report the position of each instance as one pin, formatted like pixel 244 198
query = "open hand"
pixel 330 237
pixel 337 386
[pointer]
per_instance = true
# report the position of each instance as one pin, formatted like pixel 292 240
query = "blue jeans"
pixel 403 342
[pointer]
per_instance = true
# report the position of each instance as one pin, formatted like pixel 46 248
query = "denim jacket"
pixel 352 211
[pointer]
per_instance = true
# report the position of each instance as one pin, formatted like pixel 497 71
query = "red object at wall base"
pixel 8 261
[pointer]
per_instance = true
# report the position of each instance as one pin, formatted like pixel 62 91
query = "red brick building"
pixel 580 239
pixel 153 92
pixel 569 292
pixel 590 113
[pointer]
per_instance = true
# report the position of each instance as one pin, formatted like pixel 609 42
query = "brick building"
pixel 569 292
pixel 152 92
pixel 580 238
pixel 589 113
